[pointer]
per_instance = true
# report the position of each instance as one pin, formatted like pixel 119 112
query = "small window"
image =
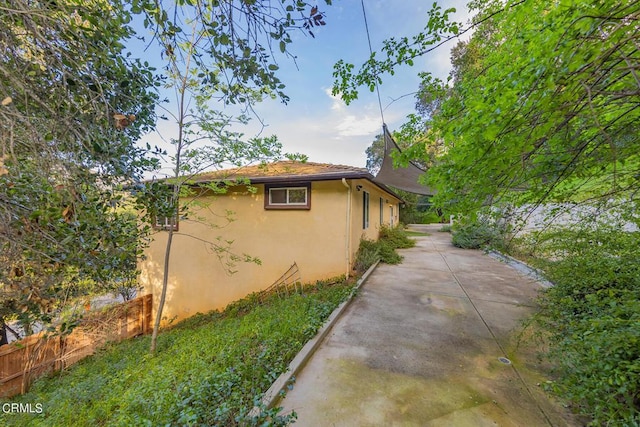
pixel 381 211
pixel 287 197
pixel 365 210
pixel 165 221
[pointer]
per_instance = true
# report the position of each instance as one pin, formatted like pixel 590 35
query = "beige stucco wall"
pixel 375 193
pixel 315 239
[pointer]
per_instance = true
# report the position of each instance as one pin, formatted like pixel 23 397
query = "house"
pixel 310 214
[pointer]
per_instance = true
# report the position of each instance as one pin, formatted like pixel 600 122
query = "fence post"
pixel 147 310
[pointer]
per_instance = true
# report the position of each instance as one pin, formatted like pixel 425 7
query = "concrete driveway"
pixel 433 341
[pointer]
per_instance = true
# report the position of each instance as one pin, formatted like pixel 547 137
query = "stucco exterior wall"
pixel 389 204
pixel 316 239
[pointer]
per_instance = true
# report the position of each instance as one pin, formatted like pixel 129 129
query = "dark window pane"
pixel 278 195
pixel 298 195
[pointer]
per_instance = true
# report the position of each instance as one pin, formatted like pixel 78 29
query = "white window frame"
pixel 365 210
pixel 166 222
pixel 270 204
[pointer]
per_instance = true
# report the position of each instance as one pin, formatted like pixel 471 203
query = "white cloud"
pixel 352 125
pixel 337 103
pixel 350 121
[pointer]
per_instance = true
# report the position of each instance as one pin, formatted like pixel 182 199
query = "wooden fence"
pixel 23 361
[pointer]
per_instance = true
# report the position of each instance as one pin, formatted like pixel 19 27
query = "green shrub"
pixel 592 316
pixel 384 249
pixel 367 255
pixel 445 228
pixel 396 237
pixel 410 216
pixel 210 369
pixel 476 234
pixel 430 218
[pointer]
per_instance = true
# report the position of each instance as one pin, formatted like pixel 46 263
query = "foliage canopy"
pixel 542 103
pixel 73 105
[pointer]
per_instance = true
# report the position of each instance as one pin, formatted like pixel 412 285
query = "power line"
pixel 366 26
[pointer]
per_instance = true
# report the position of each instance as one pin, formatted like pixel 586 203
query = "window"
pixel 365 210
pixel 381 211
pixel 166 222
pixel 166 217
pixel 391 217
pixel 288 197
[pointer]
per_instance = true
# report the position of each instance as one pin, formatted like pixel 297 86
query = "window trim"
pixel 166 226
pixel 365 210
pixel 163 222
pixel 287 206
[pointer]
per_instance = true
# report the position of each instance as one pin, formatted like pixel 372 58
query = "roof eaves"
pixel 311 177
pixel 327 176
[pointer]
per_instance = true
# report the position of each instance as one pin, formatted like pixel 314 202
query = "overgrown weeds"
pixel 209 370
pixel 445 228
pixel 384 249
pixel 592 316
pixel 476 234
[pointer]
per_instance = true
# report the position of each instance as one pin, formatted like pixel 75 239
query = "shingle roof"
pixel 290 171
pixel 286 171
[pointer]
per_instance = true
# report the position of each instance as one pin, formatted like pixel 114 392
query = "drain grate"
pixel 504 360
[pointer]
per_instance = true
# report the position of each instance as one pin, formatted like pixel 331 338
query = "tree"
pixel 558 118
pixel 72 106
pixel 216 52
pixel 545 103
pixel 73 103
pixel 375 154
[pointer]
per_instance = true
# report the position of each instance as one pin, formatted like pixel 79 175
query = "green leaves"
pixel 213 370
pixel 59 237
pixel 592 314
pixel 234 39
pixel 395 53
pixel 536 105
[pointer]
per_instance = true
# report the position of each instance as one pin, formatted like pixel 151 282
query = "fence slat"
pixel 23 361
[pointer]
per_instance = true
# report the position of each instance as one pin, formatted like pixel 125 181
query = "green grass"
pixel 208 370
pixel 410 233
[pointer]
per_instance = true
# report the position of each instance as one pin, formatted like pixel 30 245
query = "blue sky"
pixel 322 126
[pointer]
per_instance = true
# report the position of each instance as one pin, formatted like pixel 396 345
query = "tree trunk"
pixel 163 294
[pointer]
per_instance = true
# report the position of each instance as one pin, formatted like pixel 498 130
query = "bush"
pixel 431 218
pixel 410 216
pixel 476 234
pixel 445 229
pixel 592 315
pixel 369 251
pixel 396 237
pixel 367 255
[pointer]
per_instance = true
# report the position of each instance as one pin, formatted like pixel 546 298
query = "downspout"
pixel 347 245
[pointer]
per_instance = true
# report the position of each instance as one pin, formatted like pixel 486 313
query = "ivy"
pixel 213 368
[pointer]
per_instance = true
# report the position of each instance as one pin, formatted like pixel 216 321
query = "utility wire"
pixel 366 26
